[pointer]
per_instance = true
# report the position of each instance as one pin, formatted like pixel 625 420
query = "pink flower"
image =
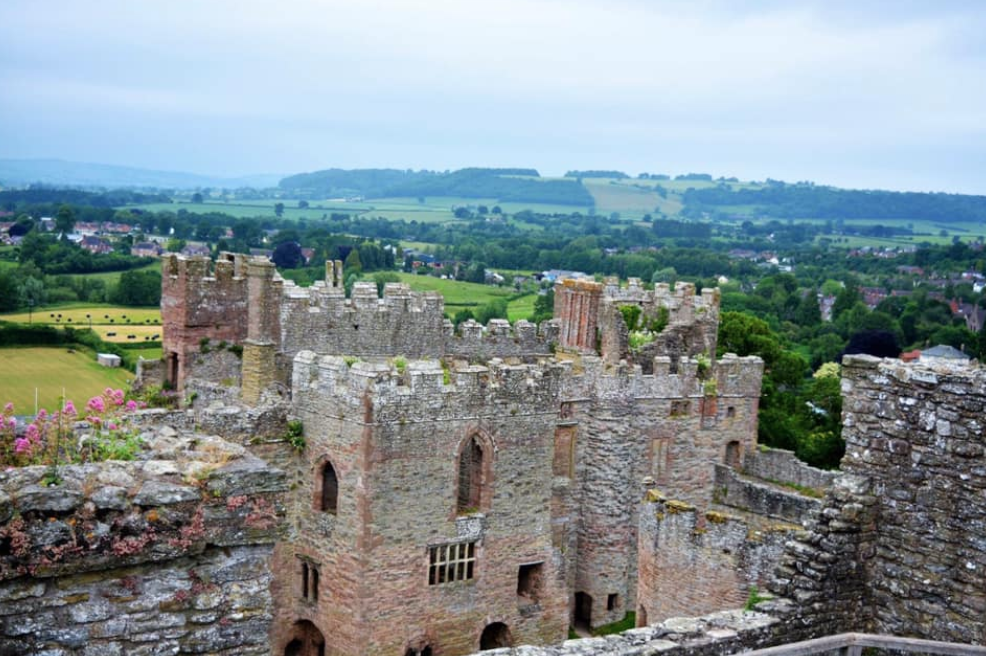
pixel 94 420
pixel 33 433
pixel 12 423
pixel 43 414
pixel 117 397
pixel 21 446
pixel 131 406
pixel 143 404
pixel 96 404
pixel 69 409
pixel 112 426
pixel 8 409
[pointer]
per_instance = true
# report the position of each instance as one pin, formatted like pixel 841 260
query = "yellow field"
pixel 128 334
pixel 50 370
pixel 81 315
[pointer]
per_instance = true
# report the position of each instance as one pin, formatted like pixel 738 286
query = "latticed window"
pixel 451 562
pixel 470 476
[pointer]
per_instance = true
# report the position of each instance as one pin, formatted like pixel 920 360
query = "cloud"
pixel 797 89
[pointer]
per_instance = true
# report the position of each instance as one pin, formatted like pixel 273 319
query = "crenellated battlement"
pixel 323 298
pixel 424 388
pixel 730 376
pixel 179 270
pixel 499 339
pixel 682 303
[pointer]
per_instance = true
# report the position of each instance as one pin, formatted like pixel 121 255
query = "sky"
pixel 856 94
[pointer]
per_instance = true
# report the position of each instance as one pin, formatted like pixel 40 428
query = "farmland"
pixel 51 370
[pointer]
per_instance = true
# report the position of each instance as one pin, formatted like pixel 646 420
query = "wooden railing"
pixel 852 644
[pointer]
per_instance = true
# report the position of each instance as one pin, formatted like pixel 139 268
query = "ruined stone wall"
pixel 630 430
pixel 577 310
pixel 691 327
pixel 783 466
pixel 915 432
pixel 199 301
pixel 162 555
pixel 763 499
pixel 394 439
pixel 692 563
pixel 499 339
pixel 323 320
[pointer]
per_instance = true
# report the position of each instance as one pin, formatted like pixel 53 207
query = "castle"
pixel 465 489
pixel 354 476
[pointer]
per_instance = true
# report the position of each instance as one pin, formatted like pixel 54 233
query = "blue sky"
pixel 858 94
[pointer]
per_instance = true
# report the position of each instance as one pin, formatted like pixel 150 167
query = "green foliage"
pixel 631 316
pixel 138 288
pixel 400 363
pixel 754 598
pixel 640 338
pixel 381 278
pixel 117 445
pixel 296 435
pixel 495 309
pixel 628 622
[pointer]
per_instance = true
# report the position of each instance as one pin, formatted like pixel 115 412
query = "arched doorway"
pixel 495 636
pixel 583 611
pixel 306 640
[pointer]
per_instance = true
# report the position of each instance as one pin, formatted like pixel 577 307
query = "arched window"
pixel 470 476
pixel 330 489
pixel 733 454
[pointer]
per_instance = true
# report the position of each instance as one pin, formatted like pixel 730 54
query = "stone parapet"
pixel 783 466
pixel 423 388
pixel 764 500
pixel 171 550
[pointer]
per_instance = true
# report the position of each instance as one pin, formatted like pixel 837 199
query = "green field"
pixel 521 308
pixel 457 294
pixel 113 323
pixel 50 370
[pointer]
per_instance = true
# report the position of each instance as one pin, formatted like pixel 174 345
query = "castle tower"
pixel 577 307
pixel 263 329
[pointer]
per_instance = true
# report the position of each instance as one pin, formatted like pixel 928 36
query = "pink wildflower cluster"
pixel 32 444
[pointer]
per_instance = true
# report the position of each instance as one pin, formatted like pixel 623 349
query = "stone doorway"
pixel 583 611
pixel 495 636
pixel 306 640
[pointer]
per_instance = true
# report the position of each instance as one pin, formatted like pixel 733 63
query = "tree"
pixel 279 209
pixel 65 219
pixel 196 197
pixel 141 288
pixel 382 278
pixel 352 263
pixel 32 292
pixel 288 255
pixel 302 204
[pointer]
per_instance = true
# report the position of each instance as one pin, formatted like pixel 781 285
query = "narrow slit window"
pixel 330 489
pixel 470 476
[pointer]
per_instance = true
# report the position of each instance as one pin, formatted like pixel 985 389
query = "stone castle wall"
pixel 780 465
pixel 692 563
pixel 130 557
pixel 915 432
pixel 394 438
pixel 200 301
pixel 761 498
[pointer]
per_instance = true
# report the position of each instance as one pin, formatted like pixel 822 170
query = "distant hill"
pixel 506 185
pixel 60 172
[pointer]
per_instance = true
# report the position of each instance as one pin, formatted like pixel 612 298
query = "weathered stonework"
pixel 163 555
pixel 391 398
